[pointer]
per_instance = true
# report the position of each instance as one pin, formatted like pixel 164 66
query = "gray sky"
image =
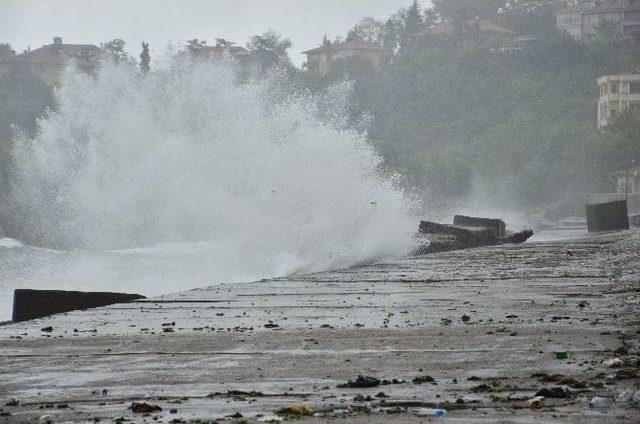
pixel 35 22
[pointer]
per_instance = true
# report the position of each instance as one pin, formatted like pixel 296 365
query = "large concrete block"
pixel 608 216
pixel 472 221
pixel 464 237
pixel 30 304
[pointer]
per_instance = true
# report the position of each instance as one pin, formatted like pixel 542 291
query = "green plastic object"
pixel 561 354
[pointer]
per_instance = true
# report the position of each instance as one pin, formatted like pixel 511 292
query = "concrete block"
pixel 465 237
pixel 608 216
pixel 472 221
pixel 30 304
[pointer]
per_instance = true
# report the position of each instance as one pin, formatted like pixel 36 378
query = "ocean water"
pixel 184 177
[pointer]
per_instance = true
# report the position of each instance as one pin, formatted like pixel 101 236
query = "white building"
pixel 617 94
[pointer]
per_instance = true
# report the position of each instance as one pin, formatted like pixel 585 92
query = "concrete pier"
pixel 476 332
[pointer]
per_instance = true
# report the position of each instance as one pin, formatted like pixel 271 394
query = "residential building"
pixel 628 181
pixel 48 62
pixel 320 59
pixel 584 20
pixel 222 48
pixel 479 26
pixel 618 94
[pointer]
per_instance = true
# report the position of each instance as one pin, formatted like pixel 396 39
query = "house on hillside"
pixel 478 26
pixel 628 181
pixel 48 62
pixel 617 94
pixel 319 60
pixel 584 20
pixel 220 50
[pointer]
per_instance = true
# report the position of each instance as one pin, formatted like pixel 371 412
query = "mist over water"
pixel 256 180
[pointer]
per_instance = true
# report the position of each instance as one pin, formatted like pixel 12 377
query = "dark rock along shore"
pixel 475 332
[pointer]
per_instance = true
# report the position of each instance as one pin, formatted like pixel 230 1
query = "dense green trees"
pixel 269 49
pixel 458 114
pixel 145 58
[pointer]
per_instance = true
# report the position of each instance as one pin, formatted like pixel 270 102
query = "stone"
pixel 610 216
pixel 29 304
pixel 144 407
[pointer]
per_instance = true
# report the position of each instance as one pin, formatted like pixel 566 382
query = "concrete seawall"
pixel 484 325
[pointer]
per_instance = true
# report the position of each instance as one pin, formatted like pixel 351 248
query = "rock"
pixel 144 407
pixel 613 363
pixel 553 392
pixel 626 373
pixel 235 415
pixel 362 382
pixel 45 419
pixel 46 329
pixel 423 379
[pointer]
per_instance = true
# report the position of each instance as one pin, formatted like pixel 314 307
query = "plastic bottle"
pixel 431 412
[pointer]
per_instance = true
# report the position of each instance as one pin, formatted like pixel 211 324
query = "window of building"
pixel 614 88
pixel 634 87
pixel 564 19
pixel 634 108
pixel 592 19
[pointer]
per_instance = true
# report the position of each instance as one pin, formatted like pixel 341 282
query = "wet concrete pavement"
pixel 483 323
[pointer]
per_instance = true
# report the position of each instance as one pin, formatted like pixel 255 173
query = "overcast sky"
pixel 33 23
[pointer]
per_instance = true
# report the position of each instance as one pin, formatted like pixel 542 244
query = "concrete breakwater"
pixel 511 332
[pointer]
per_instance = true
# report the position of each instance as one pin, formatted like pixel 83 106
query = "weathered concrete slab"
pixel 30 304
pixel 610 216
pixel 481 322
pixel 472 221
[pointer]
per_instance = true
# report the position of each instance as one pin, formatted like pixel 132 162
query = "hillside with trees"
pixel 463 114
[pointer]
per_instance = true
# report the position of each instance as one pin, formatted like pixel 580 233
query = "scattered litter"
pixel 297 410
pixel 536 402
pixel 429 412
pixel 561 354
pixel 613 363
pixel 600 402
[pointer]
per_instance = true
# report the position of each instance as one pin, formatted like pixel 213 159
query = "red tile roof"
pixel 53 54
pixel 479 24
